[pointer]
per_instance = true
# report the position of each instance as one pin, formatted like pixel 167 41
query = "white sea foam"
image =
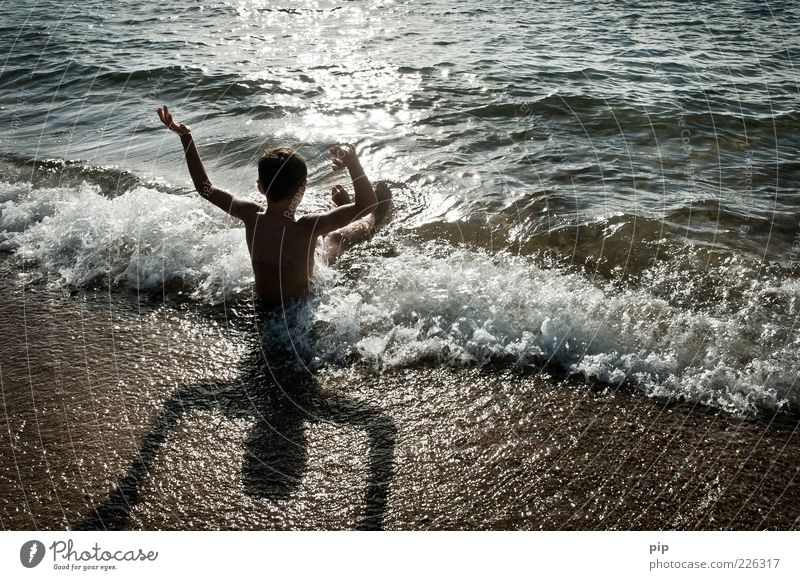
pixel 471 307
pixel 434 303
pixel 143 238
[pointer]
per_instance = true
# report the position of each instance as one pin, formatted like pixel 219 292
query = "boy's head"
pixel 281 173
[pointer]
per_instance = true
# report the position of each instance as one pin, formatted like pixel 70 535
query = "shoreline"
pixel 418 448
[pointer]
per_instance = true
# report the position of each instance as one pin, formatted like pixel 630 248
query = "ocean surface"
pixel 608 191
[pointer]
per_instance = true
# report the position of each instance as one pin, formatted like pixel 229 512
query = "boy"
pixel 282 247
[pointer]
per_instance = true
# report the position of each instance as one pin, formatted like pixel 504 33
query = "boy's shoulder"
pixel 245 209
pixel 264 222
pixel 309 221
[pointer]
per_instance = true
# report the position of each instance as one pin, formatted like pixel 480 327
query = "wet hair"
pixel 282 172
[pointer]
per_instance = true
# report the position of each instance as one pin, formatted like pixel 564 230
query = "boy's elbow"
pixel 204 188
pixel 366 207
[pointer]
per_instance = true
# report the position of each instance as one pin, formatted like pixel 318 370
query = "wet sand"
pixel 134 416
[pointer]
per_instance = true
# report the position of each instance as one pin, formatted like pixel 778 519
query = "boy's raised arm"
pixel 235 206
pixel 365 199
pixel 346 156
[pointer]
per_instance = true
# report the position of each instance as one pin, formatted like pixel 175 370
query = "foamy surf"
pixel 142 238
pixel 735 348
pixel 472 308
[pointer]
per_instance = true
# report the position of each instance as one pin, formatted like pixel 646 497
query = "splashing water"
pixel 734 347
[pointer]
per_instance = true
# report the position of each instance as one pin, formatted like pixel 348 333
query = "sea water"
pixel 606 191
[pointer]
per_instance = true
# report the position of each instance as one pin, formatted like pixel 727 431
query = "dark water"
pixel 608 187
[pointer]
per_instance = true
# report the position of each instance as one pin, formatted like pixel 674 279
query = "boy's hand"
pixel 166 118
pixel 343 156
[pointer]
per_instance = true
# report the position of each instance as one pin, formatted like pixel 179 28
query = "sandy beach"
pixel 155 417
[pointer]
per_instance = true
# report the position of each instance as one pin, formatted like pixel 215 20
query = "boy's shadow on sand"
pixel 281 398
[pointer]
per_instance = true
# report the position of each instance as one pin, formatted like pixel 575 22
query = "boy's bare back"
pixel 282 254
pixel 281 247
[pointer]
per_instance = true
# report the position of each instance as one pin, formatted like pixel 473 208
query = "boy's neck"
pixel 286 207
pixel 280 209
